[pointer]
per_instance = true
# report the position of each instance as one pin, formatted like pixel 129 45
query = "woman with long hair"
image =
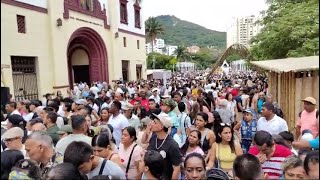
pixel 128 146
pixel 207 136
pixel 102 147
pixel 225 150
pixel 216 121
pixel 104 116
pixel 232 105
pixel 192 144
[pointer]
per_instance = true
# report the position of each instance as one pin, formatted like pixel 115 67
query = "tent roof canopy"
pixel 289 64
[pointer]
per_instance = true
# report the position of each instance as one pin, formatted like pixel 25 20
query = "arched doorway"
pixel 87 57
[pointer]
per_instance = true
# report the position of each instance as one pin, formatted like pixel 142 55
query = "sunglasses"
pixel 225 124
pixel 10 139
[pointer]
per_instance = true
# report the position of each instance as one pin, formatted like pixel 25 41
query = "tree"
pixel 182 53
pixel 153 28
pixel 290 29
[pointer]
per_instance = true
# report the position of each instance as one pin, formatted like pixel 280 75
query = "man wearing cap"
pixel 79 104
pixel 132 119
pixel 308 117
pixel 13 139
pixel 161 142
pixel 248 128
pixel 168 106
pixel 155 95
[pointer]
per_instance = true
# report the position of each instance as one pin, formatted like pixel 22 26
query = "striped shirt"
pixel 272 166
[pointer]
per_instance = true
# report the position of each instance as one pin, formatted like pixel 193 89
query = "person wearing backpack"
pixel 308 118
pixel 184 125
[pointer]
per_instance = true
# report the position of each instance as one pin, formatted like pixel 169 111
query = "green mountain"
pixel 180 32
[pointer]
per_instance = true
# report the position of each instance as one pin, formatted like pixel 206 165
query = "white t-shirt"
pixel 110 169
pixel 95 91
pixel 59 122
pixel 63 143
pixel 61 111
pixel 156 99
pixel 274 126
pixel 28 116
pixel 118 123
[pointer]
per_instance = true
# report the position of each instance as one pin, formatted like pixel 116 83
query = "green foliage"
pixel 179 32
pixel 161 61
pixel 291 29
pixel 153 28
pixel 204 58
pixel 233 57
pixel 182 54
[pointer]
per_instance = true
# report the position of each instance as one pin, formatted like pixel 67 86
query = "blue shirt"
pixel 248 131
pixel 314 143
pixel 174 118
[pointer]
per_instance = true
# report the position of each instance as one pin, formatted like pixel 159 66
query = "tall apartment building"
pixel 242 30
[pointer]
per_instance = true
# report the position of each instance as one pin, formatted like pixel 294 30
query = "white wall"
pixel 131 24
pixel 38 3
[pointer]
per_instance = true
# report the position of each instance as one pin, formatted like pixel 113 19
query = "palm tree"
pixel 182 53
pixel 153 29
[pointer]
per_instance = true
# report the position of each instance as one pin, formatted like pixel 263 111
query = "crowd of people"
pixel 191 126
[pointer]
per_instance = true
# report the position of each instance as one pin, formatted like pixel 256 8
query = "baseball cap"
pixel 169 102
pixel 310 100
pixel 81 102
pixel 12 133
pixel 154 89
pixel 65 129
pixel 127 106
pixel 248 111
pixel 165 119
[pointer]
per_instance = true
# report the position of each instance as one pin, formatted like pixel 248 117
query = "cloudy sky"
pixel 212 14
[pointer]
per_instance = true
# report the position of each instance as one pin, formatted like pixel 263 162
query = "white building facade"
pixel 242 30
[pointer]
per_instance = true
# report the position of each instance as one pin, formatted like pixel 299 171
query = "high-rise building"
pixel 242 30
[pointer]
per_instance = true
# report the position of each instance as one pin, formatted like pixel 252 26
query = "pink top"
pixel 124 157
pixel 196 150
pixel 309 121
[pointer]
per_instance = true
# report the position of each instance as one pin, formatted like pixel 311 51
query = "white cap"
pixel 165 119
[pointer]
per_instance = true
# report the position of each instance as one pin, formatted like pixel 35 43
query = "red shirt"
pixel 273 165
pixel 144 102
pixel 234 92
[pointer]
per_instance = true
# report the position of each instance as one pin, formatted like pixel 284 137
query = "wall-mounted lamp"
pixel 116 35
pixel 59 22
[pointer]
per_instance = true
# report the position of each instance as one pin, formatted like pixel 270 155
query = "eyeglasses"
pixel 10 139
pixel 225 124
